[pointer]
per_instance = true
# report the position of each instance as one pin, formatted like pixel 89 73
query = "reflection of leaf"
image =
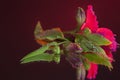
pixel 98 59
pixel 98 39
pixel 40 54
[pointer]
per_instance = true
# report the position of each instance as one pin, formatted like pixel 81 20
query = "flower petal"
pixel 92 72
pixel 91 21
pixel 107 33
pixel 108 53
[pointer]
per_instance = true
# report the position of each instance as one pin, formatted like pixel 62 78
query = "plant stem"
pixel 81 73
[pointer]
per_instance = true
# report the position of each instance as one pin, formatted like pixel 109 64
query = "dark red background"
pixel 18 19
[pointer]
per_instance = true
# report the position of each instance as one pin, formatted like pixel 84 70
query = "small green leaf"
pixel 85 62
pixel 52 44
pixel 86 65
pixel 98 59
pixel 56 49
pixel 87 31
pixel 79 38
pixel 57 58
pixel 40 57
pixel 50 35
pixel 98 39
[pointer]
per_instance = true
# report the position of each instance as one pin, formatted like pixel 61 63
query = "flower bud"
pixel 80 17
pixel 73 54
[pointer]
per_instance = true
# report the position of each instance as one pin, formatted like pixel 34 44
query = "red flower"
pixel 91 21
pixel 92 24
pixel 92 71
pixel 107 33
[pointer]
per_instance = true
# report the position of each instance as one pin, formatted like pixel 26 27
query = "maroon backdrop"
pixel 18 19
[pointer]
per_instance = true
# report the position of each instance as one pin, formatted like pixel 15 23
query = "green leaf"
pixel 41 53
pixel 36 52
pixel 38 28
pixel 57 58
pixel 50 34
pixel 98 39
pixel 86 65
pixel 98 59
pixel 85 44
pixel 39 57
pixel 56 49
pixel 85 62
pixel 99 50
pixel 87 31
pixel 89 46
pixel 79 38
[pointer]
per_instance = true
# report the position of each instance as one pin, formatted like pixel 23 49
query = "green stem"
pixel 78 28
pixel 71 32
pixel 81 73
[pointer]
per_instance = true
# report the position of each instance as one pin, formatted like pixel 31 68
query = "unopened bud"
pixel 80 17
